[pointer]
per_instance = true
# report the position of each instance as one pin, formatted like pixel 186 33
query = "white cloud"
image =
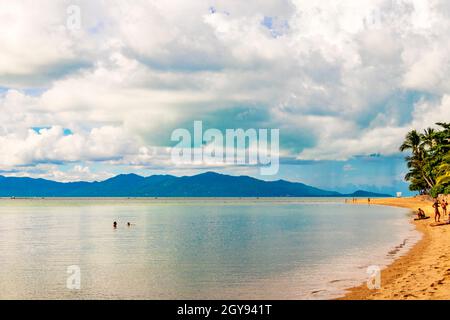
pixel 53 145
pixel 53 172
pixel 36 45
pixel 139 69
pixel 377 140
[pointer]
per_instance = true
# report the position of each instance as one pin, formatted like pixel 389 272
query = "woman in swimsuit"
pixel 437 214
pixel 444 205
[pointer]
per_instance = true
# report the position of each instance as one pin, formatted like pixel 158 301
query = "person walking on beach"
pixel 437 214
pixel 115 225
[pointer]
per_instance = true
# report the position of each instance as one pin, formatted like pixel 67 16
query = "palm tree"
pixel 444 172
pixel 417 160
pixel 429 161
pixel 428 139
pixel 412 142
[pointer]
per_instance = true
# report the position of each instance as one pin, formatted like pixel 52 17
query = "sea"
pixel 203 248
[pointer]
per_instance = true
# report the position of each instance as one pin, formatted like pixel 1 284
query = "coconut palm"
pixel 444 172
pixel 412 142
pixel 417 161
pixel 428 138
pixel 429 159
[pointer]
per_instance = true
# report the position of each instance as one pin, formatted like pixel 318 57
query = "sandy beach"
pixel 424 272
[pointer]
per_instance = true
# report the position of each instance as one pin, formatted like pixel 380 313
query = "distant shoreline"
pixel 141 201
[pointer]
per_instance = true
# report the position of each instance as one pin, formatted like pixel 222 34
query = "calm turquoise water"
pixel 178 249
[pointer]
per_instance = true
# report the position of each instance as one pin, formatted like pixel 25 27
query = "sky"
pixel 90 89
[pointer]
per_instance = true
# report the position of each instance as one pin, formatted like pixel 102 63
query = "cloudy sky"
pixel 342 80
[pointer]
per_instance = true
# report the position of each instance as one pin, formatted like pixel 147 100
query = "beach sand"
pixel 424 272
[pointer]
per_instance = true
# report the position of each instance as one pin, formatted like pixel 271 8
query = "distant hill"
pixel 362 193
pixel 209 184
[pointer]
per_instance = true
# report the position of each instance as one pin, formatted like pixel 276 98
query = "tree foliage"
pixel 428 160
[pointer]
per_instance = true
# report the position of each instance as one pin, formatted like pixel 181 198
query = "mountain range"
pixel 209 184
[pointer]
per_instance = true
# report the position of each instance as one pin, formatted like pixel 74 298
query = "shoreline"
pixel 423 273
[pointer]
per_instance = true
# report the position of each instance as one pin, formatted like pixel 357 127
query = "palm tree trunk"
pixel 427 180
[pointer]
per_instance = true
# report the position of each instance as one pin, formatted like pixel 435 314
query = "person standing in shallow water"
pixel 437 214
pixel 115 225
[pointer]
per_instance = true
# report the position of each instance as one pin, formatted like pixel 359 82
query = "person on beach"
pixel 444 205
pixel 115 225
pixel 368 200
pixel 437 214
pixel 421 214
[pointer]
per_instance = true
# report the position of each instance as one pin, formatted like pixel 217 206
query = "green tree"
pixel 429 159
